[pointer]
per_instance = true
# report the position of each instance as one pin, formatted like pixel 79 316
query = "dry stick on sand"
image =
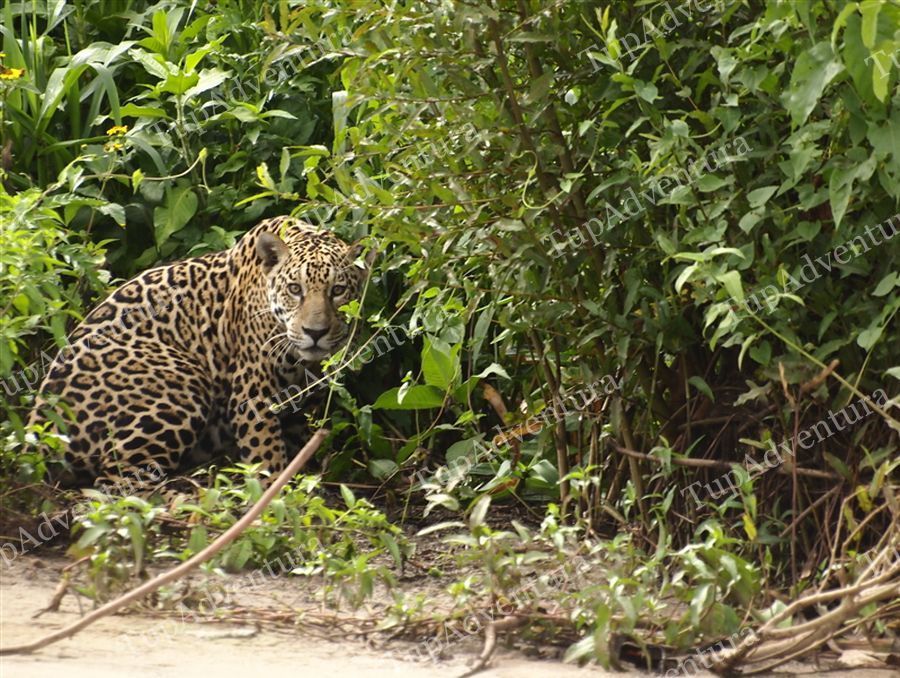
pixel 490 641
pixel 172 575
pixel 779 645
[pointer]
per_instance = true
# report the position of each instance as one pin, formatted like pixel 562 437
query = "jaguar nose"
pixel 315 335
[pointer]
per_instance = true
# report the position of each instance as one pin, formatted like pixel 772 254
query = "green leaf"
pixel 493 368
pixel 480 511
pixel 869 31
pixel 57 84
pixel 382 469
pixel 680 128
pixel 646 90
pixel 161 28
pixel 448 501
pixel 440 364
pixel 238 555
pixel 885 139
pixel 208 79
pixel 154 64
pixel 133 111
pixel 857 57
pixel 732 282
pixel 92 534
pixel 711 182
pixel 840 183
pixel 179 83
pixel 684 276
pixel 814 70
pixel 750 219
pixel 809 229
pixel 114 210
pixel 265 179
pixel 545 472
pixel 540 86
pixel 347 494
pixel 278 113
pixel 762 353
pixel 749 526
pixel 760 196
pixel 181 205
pixel 480 333
pixel 198 539
pixel 882 59
pixel 582 650
pixel 870 336
pixel 393 548
pixel 431 529
pixel 887 283
pixel 841 20
pixel 698 383
pixel 285 164
pixel 415 398
pixel 703 596
pixel 838 466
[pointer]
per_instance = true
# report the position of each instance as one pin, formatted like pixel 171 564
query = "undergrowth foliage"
pixel 637 266
pixel 568 213
pixel 46 270
pixel 297 534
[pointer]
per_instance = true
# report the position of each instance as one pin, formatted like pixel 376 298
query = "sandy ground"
pixel 145 646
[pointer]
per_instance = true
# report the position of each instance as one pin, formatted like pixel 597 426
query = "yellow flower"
pixel 11 73
pixel 117 130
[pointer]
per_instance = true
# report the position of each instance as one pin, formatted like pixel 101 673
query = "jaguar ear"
pixel 271 250
pixel 356 249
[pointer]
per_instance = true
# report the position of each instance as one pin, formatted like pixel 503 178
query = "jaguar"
pixel 194 353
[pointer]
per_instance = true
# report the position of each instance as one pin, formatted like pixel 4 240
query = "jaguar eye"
pixel 295 289
pixel 338 290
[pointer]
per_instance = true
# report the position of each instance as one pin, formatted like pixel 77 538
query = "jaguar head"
pixel 309 275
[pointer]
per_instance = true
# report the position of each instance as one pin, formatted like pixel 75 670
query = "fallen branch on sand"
pixel 772 645
pixel 192 563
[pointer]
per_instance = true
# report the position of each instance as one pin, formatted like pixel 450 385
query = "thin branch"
pixel 724 465
pixel 490 641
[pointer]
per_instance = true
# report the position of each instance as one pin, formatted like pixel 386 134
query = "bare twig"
pixel 724 465
pixel 490 641
pixel 816 381
pixel 58 594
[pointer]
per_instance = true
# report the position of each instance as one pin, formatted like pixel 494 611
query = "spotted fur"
pixel 198 349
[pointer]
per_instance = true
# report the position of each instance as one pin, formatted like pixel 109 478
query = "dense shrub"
pixel 587 191
pixel 46 271
pixel 175 103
